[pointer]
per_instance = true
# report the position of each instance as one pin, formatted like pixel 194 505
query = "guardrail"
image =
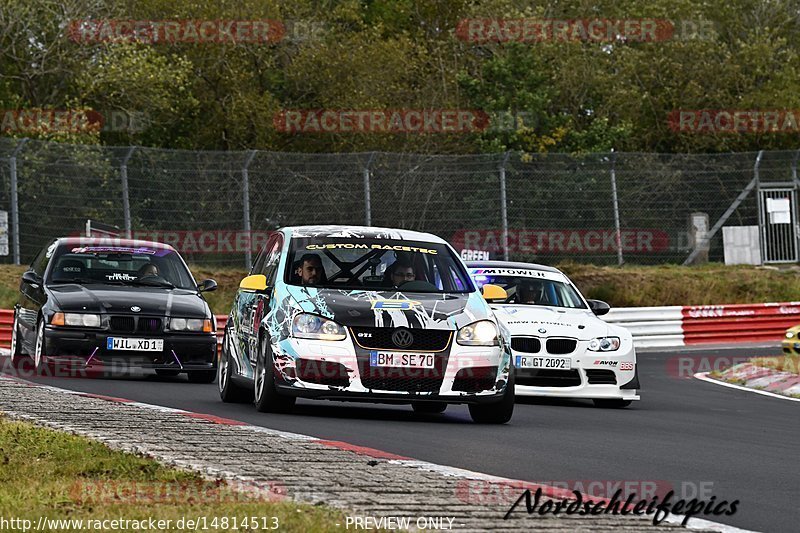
pixel 651 327
pixel 681 325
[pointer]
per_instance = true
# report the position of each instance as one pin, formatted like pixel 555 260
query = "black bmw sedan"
pixel 114 304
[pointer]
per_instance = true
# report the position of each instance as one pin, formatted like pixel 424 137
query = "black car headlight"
pixel 308 326
pixel 191 324
pixel 604 344
pixel 481 333
pixel 83 320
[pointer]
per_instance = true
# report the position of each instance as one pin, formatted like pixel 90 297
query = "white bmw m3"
pixel 559 346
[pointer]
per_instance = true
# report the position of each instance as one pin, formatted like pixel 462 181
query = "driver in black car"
pixel 148 269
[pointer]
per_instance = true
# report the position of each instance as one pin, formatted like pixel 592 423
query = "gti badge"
pixel 136 308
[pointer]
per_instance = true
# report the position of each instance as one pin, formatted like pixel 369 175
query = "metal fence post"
pixel 12 162
pixel 126 200
pixel 761 217
pixel 367 193
pixel 617 229
pixel 504 204
pixel 248 254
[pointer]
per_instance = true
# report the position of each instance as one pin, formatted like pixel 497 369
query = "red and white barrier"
pixel 723 324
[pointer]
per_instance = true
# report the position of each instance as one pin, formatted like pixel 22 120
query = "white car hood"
pixel 579 324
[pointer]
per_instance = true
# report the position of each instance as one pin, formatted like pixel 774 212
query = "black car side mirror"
pixel 598 307
pixel 207 285
pixel 32 278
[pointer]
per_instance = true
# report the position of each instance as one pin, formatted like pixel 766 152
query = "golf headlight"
pixel 308 326
pixel 604 344
pixel 481 333
pixel 85 320
pixel 789 334
pixel 191 324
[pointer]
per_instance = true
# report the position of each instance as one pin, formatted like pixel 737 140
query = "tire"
pixel 497 412
pixel 39 364
pixel 164 372
pixel 611 404
pixel 17 357
pixel 202 376
pixel 428 407
pixel 230 392
pixel 267 399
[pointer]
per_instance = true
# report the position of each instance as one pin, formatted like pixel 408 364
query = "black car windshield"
pixel 376 264
pixel 119 265
pixel 530 287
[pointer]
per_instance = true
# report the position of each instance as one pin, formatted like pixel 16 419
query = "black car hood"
pixel 72 297
pixel 390 308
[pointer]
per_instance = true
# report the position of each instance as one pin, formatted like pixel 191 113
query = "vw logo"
pixel 136 308
pixel 402 338
pixel 542 330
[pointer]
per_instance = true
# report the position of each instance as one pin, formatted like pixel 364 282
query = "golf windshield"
pixel 376 264
pixel 531 287
pixel 120 265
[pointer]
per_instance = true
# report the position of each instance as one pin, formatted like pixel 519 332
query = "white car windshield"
pixel 532 290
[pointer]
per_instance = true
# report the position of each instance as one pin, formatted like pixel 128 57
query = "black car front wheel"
pixel 496 412
pixel 40 351
pixel 267 397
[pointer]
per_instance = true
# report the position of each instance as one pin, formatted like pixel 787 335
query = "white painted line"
pixel 703 376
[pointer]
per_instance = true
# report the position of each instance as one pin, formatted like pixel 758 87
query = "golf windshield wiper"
pixel 74 280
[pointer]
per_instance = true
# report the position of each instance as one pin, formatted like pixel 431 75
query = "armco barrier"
pixel 680 325
pixel 652 327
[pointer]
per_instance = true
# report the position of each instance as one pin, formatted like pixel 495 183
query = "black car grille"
pixel 322 373
pixel 601 377
pixel 132 324
pixel 424 340
pixel 547 378
pixel 561 346
pixel 526 344
pixel 123 324
pixel 475 379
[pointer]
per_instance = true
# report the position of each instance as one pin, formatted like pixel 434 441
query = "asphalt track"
pixel 684 434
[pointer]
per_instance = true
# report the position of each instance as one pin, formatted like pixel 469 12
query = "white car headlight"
pixel 789 335
pixel 481 333
pixel 308 326
pixel 604 344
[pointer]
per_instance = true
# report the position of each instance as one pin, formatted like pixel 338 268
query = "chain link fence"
pixel 219 207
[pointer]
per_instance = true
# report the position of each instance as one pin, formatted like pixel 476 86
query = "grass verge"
pixel 782 363
pixel 45 473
